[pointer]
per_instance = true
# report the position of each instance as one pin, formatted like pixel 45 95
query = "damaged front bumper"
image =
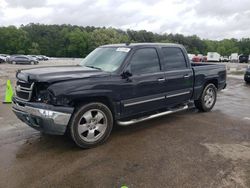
pixel 43 117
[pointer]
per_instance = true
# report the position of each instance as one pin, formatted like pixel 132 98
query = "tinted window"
pixel 145 61
pixel 173 58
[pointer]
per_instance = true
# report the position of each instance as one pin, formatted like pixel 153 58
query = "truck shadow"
pixel 61 144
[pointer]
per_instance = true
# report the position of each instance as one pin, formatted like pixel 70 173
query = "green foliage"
pixel 77 41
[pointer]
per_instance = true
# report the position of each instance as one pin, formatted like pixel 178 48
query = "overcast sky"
pixel 212 19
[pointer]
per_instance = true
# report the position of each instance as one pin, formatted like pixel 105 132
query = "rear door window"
pixel 173 58
pixel 145 61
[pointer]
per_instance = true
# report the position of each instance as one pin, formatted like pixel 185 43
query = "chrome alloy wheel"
pixel 92 125
pixel 209 97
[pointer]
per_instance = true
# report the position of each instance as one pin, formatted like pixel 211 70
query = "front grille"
pixel 24 90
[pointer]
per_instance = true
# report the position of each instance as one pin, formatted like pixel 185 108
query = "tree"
pixel 77 41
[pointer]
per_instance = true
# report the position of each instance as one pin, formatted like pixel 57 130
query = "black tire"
pixel 78 117
pixel 201 103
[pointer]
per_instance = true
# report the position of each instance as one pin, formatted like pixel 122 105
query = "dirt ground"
pixel 187 149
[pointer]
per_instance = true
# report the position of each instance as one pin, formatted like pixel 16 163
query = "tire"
pixel 91 125
pixel 13 62
pixel 32 63
pixel 207 99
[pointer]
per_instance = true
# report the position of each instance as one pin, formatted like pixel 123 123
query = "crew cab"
pixel 119 84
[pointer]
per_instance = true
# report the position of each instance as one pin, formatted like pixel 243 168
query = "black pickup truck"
pixel 118 84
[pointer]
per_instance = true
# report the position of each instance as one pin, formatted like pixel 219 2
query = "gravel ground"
pixel 187 149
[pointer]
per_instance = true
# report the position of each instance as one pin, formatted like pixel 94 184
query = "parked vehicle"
pixel 224 59
pixel 2 59
pixel 201 57
pixel 213 57
pixel 45 58
pixel 204 59
pixel 247 75
pixel 234 58
pixel 119 83
pixel 243 58
pixel 34 57
pixel 22 59
pixel 190 56
pixel 196 59
pixel 39 57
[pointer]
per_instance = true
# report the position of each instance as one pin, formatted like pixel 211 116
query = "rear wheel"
pixel 91 125
pixel 13 62
pixel 207 99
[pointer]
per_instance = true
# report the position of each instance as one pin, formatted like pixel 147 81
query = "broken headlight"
pixel 40 93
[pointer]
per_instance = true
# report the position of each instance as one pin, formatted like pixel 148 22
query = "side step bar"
pixel 133 121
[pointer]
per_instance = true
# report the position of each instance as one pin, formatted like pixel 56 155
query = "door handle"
pixel 161 79
pixel 186 76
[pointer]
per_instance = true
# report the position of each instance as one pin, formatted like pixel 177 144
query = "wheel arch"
pixel 199 90
pixel 212 81
pixel 78 102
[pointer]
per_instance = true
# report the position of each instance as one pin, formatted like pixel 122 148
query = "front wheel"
pixel 207 99
pixel 91 125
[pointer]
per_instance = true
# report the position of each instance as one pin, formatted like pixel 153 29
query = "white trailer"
pixel 213 56
pixel 234 58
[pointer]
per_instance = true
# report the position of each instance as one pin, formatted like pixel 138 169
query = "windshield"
pixel 107 59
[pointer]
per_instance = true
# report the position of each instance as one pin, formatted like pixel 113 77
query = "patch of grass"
pixel 237 72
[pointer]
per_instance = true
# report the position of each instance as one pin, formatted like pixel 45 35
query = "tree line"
pixel 78 41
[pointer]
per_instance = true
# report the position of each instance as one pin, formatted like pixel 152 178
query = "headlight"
pixel 41 94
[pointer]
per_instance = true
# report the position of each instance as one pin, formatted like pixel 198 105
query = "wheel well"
pixel 105 100
pixel 213 81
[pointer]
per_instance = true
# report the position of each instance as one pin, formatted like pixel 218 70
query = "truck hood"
pixel 59 73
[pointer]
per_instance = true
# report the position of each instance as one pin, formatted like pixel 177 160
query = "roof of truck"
pixel 143 44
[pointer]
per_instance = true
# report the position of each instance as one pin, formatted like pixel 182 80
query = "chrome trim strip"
pixel 144 101
pixel 21 90
pixel 178 94
pixel 155 99
pixel 26 90
pixel 133 121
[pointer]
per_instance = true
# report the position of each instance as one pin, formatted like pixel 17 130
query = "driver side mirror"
pixel 126 74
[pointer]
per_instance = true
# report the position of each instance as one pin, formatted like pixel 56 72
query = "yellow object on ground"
pixel 8 92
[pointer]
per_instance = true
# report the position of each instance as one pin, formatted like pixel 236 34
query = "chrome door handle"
pixel 186 76
pixel 161 79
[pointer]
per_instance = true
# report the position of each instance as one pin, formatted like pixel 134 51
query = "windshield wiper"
pixel 93 67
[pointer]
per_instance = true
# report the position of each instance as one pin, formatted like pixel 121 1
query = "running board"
pixel 133 121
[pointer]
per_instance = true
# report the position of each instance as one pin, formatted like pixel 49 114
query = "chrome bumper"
pixel 42 117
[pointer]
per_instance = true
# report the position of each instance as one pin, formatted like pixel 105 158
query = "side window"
pixel 173 58
pixel 145 61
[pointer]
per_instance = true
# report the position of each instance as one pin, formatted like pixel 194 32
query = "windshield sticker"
pixel 123 50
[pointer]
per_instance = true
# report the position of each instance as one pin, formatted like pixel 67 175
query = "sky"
pixel 209 19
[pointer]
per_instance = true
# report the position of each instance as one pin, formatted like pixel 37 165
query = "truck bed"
pixel 204 72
